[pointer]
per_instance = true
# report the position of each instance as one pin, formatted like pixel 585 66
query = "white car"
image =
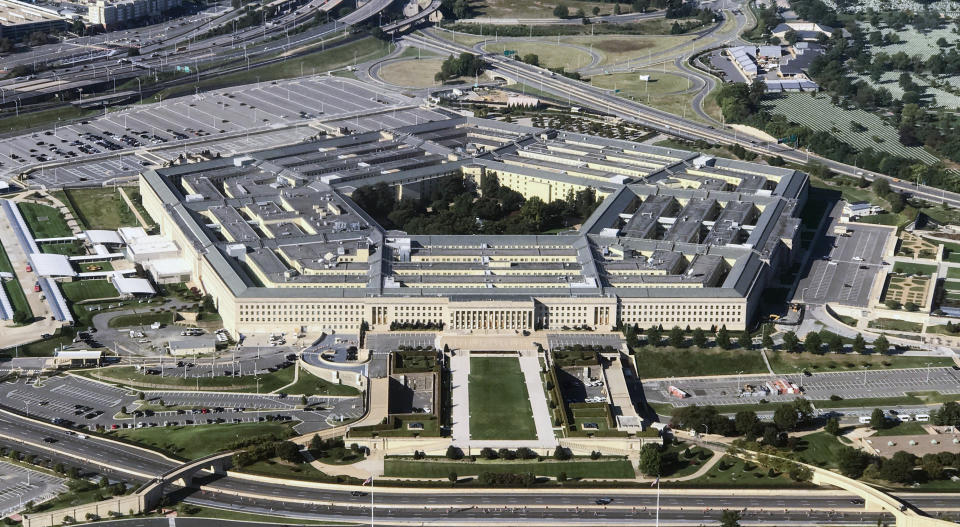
pixel 857 259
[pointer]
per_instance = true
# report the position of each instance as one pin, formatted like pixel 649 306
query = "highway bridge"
pixel 409 22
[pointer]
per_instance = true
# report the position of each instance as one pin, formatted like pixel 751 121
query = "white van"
pixel 922 418
pixel 904 418
pixel 864 419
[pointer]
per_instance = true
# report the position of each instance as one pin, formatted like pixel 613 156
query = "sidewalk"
pixel 460 375
pixel 530 366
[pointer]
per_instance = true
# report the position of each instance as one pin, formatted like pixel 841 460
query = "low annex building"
pixel 679 238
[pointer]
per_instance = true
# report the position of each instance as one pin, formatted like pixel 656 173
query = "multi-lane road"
pixel 606 101
pixel 444 506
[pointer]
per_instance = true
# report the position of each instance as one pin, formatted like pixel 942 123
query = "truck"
pixel 677 392
pixel 36 287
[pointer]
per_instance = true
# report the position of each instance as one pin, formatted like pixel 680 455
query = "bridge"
pixel 402 25
pixel 146 498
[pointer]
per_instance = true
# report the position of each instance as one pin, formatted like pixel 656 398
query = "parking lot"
pixel 19 485
pixel 387 342
pixel 818 386
pixel 844 267
pixel 80 401
pixel 251 117
pixel 559 340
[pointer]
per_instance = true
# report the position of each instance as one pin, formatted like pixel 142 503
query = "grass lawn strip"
pixel 783 362
pixel 44 221
pixel 902 429
pixel 101 208
pixel 499 403
pixel 127 375
pixel 579 469
pixel 309 384
pixel 192 442
pixel 666 361
pixel 88 289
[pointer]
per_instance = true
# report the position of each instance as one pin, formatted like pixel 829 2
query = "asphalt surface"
pixel 843 268
pixel 816 387
pixel 569 505
pixel 19 485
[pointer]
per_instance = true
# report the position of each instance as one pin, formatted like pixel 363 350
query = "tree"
pixel 859 344
pixel 835 343
pixel 699 338
pixel 899 468
pixel 676 337
pixel 452 477
pixel 616 9
pixel 595 10
pixel 878 421
pixel 911 306
pixel 651 460
pixel 454 453
pixel 812 343
pixel 767 340
pixel 104 482
pixel 746 422
pixel 561 454
pixel 785 417
pixel 561 11
pixel 881 345
pixel 800 473
pixel 852 462
pixel 744 340
pixel 654 336
pixel 947 415
pixel 730 518
pixel 288 451
pixel 723 337
pixel 790 342
pixel 833 426
pixel 303 400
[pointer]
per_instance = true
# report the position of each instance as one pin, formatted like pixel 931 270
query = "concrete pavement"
pixel 530 366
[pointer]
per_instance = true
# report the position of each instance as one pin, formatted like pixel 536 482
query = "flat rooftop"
pixel 280 222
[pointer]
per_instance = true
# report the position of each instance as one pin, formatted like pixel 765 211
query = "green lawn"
pixel 499 404
pixel 18 299
pixel 44 221
pixel 12 287
pixel 441 467
pixel 141 319
pixel 736 473
pixel 902 429
pixel 914 268
pixel 192 442
pixel 129 376
pixel 309 384
pixel 101 208
pixel 819 448
pixel 74 248
pixel 783 362
pixel 953 272
pixel 666 361
pixel 894 324
pixel 686 465
pixel 88 289
pixel 302 471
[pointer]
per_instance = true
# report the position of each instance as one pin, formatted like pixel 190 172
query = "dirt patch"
pixel 616 44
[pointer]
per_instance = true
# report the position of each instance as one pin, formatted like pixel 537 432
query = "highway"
pixel 445 505
pixel 583 94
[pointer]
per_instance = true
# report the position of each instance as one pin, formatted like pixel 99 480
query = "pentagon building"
pixel 679 239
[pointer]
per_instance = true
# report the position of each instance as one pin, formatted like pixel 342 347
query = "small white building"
pixel 861 208
pixel 192 346
pixel 168 270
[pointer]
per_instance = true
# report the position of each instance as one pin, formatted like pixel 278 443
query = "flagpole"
pixel 371 501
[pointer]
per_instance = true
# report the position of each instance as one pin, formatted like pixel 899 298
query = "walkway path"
pixel 459 376
pixel 530 365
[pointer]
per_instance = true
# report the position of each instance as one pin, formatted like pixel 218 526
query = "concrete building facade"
pixel 679 238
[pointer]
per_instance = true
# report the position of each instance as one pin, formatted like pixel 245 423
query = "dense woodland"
pixel 457 208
